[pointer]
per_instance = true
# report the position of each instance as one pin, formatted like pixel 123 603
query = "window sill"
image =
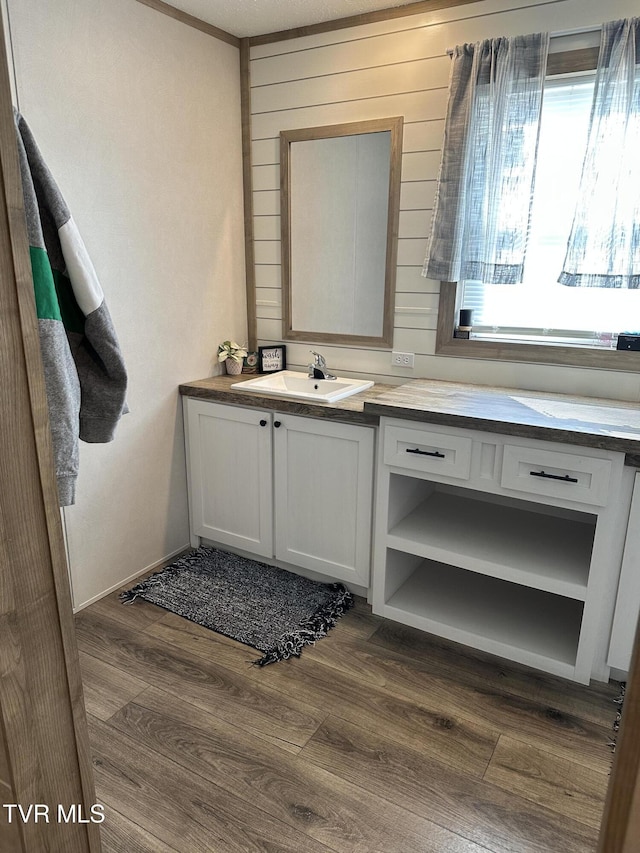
pixel 535 353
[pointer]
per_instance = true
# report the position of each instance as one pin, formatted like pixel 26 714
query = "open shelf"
pixel 527 625
pixel 508 540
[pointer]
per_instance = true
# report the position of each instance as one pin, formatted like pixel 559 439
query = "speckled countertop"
pixel 582 421
pixel 585 421
pixel 218 388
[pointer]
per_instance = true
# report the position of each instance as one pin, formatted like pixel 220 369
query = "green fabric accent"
pixel 72 316
pixel 55 299
pixel 47 307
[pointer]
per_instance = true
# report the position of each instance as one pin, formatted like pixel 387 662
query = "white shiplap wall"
pixel 397 67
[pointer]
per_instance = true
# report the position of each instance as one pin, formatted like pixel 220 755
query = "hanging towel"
pixel 85 375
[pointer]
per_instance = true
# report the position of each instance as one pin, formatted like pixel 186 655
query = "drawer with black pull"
pixel 584 479
pixel 428 450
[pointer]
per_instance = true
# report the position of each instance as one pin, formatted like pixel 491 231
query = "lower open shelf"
pixel 511 539
pixel 530 626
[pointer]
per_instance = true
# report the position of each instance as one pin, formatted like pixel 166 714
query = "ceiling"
pixel 245 18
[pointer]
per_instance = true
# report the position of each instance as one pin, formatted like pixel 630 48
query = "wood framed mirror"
pixel 340 201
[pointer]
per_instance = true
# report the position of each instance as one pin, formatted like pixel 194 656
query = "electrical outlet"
pixel 402 359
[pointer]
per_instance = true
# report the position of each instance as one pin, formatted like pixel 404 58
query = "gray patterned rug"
pixel 271 609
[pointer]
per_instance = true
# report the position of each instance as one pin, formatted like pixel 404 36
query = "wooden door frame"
pixel 42 719
pixel 620 828
pixel 42 715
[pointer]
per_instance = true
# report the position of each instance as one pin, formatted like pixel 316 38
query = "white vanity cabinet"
pixel 323 496
pixel 510 545
pixel 230 471
pixel 275 484
pixel 628 599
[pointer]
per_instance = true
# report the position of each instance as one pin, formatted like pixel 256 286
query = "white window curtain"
pixel 481 216
pixel 604 245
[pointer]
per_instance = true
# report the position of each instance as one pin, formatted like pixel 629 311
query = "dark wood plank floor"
pixel 379 739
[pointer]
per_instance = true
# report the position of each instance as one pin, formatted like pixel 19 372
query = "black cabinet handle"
pixel 263 422
pixel 565 479
pixel 426 452
pixel 277 424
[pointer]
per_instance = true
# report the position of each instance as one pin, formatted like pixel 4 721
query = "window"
pixel 538 319
pixel 540 310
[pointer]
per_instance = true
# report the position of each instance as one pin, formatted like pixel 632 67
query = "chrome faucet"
pixel 318 370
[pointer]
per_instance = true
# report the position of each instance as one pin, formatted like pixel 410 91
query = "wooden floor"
pixel 379 739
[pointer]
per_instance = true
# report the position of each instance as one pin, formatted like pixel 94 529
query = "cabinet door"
pixel 230 475
pixel 323 496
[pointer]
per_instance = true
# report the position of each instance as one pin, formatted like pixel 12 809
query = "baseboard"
pixel 618 675
pixel 133 577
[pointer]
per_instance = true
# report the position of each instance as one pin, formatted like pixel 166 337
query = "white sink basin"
pixel 291 383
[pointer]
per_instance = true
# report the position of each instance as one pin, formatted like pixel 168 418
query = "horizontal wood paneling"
pixel 423 19
pixel 268 275
pixel 415 165
pixel 423 135
pixel 266 203
pixel 265 152
pixel 418 195
pixel 269 296
pixel 459 17
pixel 414 223
pixel 411 279
pixel 359 20
pixel 266 177
pixel 387 49
pixel 266 227
pixel 408 302
pixel 414 106
pixel 410 251
pixel 267 252
pixel 422 45
pixel 270 330
pixel 417 136
pixel 269 312
pixel 432 73
pixel 381 68
pixel 418 320
pixel 416 311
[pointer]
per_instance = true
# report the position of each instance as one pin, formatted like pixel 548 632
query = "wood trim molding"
pixel 394 125
pixel 358 20
pixel 191 21
pixel 247 184
pixel 42 715
pixel 620 828
pixel 446 344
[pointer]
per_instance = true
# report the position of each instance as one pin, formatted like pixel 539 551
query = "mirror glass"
pixel 340 202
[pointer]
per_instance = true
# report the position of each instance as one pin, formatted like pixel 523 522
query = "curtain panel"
pixel 485 187
pixel 604 244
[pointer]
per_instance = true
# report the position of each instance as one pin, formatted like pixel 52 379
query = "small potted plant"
pixel 232 354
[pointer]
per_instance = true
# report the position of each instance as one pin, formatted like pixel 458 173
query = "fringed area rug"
pixel 271 609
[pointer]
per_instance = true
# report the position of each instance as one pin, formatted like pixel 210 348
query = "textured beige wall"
pixel 389 68
pixel 138 116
